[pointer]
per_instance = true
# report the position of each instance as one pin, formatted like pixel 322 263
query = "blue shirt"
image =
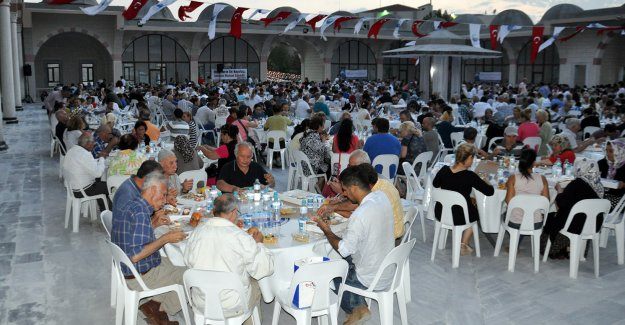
pixel 127 191
pixel 132 230
pixel 99 146
pixel 321 107
pixel 382 144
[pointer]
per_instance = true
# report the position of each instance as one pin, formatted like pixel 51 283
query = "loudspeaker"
pixel 220 68
pixel 28 71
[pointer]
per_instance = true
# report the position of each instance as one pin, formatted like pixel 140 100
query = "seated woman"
pixel 613 167
pixel 75 127
pixel 139 133
pixel 412 144
pixel 313 146
pixel 526 182
pixel 128 159
pixel 527 128
pixel 223 154
pixel 345 141
pixel 244 124
pixel 561 150
pixel 188 158
pixel 459 178
pixel 298 132
pixel 586 185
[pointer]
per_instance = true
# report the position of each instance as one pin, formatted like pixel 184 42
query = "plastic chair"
pixel 212 284
pixel 114 182
pixel 529 204
pixel 614 221
pixel 414 192
pixel 308 183
pixel 325 303
pixel 449 158
pixel 533 143
pixel 456 137
pixel 292 172
pixel 443 150
pixel 409 218
pixel 448 199
pixel 492 142
pixel 396 257
pixel 275 136
pixel 341 160
pixel 130 298
pixel 219 122
pixel 589 130
pixel 386 161
pixel 61 160
pixel 196 175
pixel 107 222
pixel 423 160
pixel 74 205
pixel 591 208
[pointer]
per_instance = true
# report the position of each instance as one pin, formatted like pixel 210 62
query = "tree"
pixel 284 59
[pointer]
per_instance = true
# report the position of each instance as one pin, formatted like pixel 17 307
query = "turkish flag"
pixel 339 21
pixel 235 22
pixel 59 2
pixel 280 16
pixel 133 9
pixel 415 28
pixel 184 10
pixel 537 39
pixel 494 29
pixel 375 28
pixel 578 30
pixel 313 21
pixel 447 24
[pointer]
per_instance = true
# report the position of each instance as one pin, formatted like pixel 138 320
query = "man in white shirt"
pixel 573 125
pixel 83 172
pixel 219 245
pixel 367 239
pixel 479 108
pixel 302 108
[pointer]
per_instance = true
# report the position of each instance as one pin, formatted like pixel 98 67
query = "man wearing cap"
pixel 509 145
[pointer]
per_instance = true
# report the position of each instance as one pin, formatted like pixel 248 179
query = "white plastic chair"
pixel 212 284
pixel 443 150
pixel 196 175
pixel 308 183
pixel 409 218
pixel 492 142
pixel 533 143
pixel 341 160
pixel 589 130
pixel 292 171
pixel 74 206
pixel 448 199
pixel 276 136
pixel 325 303
pixel 591 208
pixel 456 137
pixel 219 122
pixel 528 204
pixel 396 257
pixel 107 222
pixel 614 221
pixel 386 161
pixel 449 158
pixel 114 182
pixel 423 160
pixel 414 192
pixel 130 298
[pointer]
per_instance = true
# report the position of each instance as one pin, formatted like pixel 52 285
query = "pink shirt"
pixel 242 124
pixel 222 151
pixel 527 130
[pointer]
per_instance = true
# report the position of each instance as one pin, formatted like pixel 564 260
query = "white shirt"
pixel 70 138
pixel 572 137
pixel 301 109
pixel 479 109
pixel 205 115
pixel 80 168
pixel 219 245
pixel 369 238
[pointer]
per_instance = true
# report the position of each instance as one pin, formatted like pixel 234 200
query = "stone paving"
pixel 49 275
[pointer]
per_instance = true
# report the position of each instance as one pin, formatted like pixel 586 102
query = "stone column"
pixel 6 64
pixel 327 69
pixel 379 67
pixel 424 77
pixel 194 68
pixel 512 73
pixel 440 76
pixel 3 144
pixel 263 70
pixel 117 66
pixel 16 63
pixel 456 76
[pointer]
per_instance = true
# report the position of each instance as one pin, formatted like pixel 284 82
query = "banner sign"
pixel 229 74
pixel 490 76
pixel 355 74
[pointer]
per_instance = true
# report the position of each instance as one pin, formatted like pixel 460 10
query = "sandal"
pixel 465 249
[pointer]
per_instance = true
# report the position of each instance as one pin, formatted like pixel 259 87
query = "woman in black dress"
pixel 459 178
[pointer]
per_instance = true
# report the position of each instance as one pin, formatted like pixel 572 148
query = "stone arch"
pixel 140 34
pixel 60 31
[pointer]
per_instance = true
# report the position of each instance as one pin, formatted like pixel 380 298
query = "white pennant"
pixel 359 24
pixel 258 11
pixel 622 31
pixel 94 10
pixel 416 62
pixel 553 38
pixel 327 23
pixel 411 43
pixel 154 10
pixel 398 26
pixel 474 34
pixel 436 24
pixel 595 25
pixel 504 30
pixel 212 25
pixel 294 23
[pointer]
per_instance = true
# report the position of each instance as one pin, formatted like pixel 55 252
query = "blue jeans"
pixel 351 300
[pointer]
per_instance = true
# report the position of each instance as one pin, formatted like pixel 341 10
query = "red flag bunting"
pixel 132 10
pixel 280 16
pixel 184 10
pixel 447 24
pixel 537 39
pixel 578 30
pixel 494 29
pixel 602 30
pixel 313 21
pixel 59 2
pixel 375 28
pixel 415 28
pixel 339 21
pixel 235 22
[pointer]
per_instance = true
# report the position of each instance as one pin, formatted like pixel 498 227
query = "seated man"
pixel 82 171
pixel 219 245
pixel 133 232
pixel 509 145
pixel 469 136
pixel 131 188
pixel 382 143
pixel 105 141
pixel 169 162
pixel 366 241
pixel 242 172
pixel 344 207
pixel 573 125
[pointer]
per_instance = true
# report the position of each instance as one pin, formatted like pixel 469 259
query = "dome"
pixel 225 14
pixel 294 13
pixel 561 11
pixel 164 14
pixel 343 14
pixel 512 17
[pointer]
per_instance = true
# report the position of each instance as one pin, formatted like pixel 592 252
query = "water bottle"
pixel 303 218
pixel 275 204
pixel 568 169
pixel 257 186
pixel 557 169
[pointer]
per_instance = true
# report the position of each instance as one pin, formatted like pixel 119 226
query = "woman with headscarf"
pixel 613 167
pixel 188 158
pixel 586 185
pixel 561 150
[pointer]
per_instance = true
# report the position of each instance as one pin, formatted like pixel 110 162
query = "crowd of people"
pixel 567 120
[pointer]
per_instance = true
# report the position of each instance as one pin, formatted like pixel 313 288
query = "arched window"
pixel 401 68
pixel 155 59
pixel 233 53
pixel 545 69
pixel 354 55
pixel 471 67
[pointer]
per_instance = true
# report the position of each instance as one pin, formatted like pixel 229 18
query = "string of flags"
pixel 497 33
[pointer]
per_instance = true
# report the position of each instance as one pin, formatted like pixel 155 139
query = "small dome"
pixel 294 13
pixel 512 17
pixel 561 11
pixel 225 14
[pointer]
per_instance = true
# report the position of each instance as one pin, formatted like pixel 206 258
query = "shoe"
pixel 465 249
pixel 359 315
pixel 153 314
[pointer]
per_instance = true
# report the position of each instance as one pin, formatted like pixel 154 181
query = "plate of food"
pixel 286 211
pixel 337 224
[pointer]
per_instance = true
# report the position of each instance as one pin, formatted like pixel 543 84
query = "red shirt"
pixel 353 144
pixel 527 130
pixel 564 156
